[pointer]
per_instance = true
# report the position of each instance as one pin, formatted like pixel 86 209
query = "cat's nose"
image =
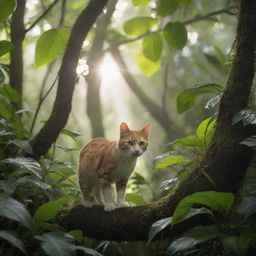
pixel 137 152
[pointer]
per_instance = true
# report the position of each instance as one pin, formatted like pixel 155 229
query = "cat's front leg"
pixel 121 187
pixel 109 204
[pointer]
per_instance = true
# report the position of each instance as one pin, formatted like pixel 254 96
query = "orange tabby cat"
pixel 104 162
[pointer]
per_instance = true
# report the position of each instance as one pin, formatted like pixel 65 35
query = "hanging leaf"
pixel 205 129
pixel 12 239
pixel 5 46
pixel 10 93
pixel 191 238
pixel 146 66
pixel 192 141
pixel 134 198
pixel 220 201
pixel 214 101
pixel 166 7
pixel 65 148
pixel 140 2
pixel 170 160
pixel 71 134
pixel 57 244
pixel 175 34
pixel 186 99
pixel 152 47
pixel 14 210
pixel 248 116
pixel 157 227
pixel 50 45
pixel 7 8
pixel 139 25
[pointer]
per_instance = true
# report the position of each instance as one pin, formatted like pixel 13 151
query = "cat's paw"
pixel 122 204
pixel 87 204
pixel 109 207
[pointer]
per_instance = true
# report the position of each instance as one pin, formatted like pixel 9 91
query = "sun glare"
pixel 108 69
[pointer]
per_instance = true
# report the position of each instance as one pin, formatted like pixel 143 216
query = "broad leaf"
pixel 5 46
pixel 250 141
pixel 7 8
pixel 146 66
pixel 248 116
pixel 8 186
pixel 139 25
pixel 192 237
pixel 166 7
pixel 170 160
pixel 175 34
pixel 71 134
pixel 50 45
pixel 192 141
pixel 12 209
pixel 186 99
pixel 57 244
pixel 34 181
pixel 205 128
pixel 88 251
pixel 220 201
pixel 27 163
pixel 136 199
pixel 12 239
pixel 22 144
pixel 247 207
pixel 157 227
pixel 140 2
pixel 152 47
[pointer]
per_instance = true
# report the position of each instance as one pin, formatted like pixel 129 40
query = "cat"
pixel 103 162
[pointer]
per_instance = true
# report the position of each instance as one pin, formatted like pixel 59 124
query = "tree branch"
pixel 67 78
pixel 226 161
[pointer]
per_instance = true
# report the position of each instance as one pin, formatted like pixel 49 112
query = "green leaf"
pixel 139 25
pixel 248 116
pixel 136 199
pixel 157 227
pixel 77 235
pixel 5 46
pixel 152 47
pixel 48 211
pixel 57 244
pixel 170 160
pixel 10 93
pixel 71 134
pixel 2 76
pixel 186 99
pixel 175 34
pixel 250 141
pixel 7 8
pixel 5 111
pixel 214 101
pixel 34 181
pixel 88 251
pixel 192 141
pixel 191 238
pixel 140 2
pixel 247 207
pixel 220 201
pixel 205 128
pixel 65 148
pixel 27 163
pixel 186 2
pixel 146 66
pixel 12 239
pixel 8 186
pixel 50 45
pixel 166 7
pixel 22 144
pixel 12 209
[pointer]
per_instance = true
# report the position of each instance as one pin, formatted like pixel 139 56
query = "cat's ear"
pixel 124 128
pixel 147 129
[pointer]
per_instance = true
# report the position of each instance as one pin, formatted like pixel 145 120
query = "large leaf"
pixel 192 141
pixel 147 66
pixel 57 244
pixel 12 239
pixel 170 160
pixel 140 2
pixel 152 47
pixel 157 227
pixel 27 163
pixel 139 25
pixel 48 210
pixel 186 99
pixel 50 45
pixel 175 34
pixel 5 46
pixel 12 209
pixel 192 237
pixel 7 8
pixel 220 201
pixel 166 7
pixel 205 128
pixel 135 198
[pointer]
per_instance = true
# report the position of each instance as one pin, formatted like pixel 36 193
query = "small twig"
pixel 165 81
pixel 42 15
pixel 62 13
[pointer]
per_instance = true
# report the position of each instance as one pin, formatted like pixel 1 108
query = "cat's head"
pixel 133 142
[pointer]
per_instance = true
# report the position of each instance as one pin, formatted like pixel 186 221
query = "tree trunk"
pixel 225 161
pixel 93 79
pixel 67 78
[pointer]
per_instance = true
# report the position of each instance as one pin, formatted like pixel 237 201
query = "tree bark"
pixel 93 79
pixel 67 79
pixel 225 161
pixel 16 55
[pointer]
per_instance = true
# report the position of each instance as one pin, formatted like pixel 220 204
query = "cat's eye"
pixel 142 143
pixel 130 143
